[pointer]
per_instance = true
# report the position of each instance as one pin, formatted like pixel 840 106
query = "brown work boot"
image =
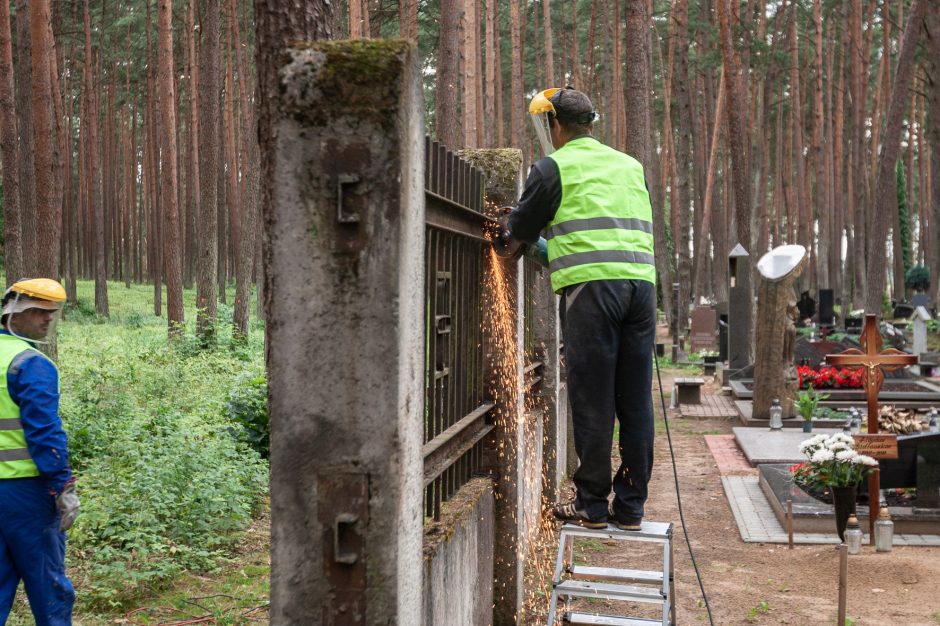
pixel 569 513
pixel 626 523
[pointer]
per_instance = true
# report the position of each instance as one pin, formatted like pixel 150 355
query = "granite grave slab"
pixel 782 446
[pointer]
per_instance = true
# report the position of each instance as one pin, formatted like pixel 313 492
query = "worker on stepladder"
pixel 594 206
pixel 37 489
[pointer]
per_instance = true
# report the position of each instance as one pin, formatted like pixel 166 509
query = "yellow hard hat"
pixel 541 102
pixel 42 288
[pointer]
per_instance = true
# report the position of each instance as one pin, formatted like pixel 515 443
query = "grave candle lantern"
pixel 853 535
pixel 884 531
pixel 776 414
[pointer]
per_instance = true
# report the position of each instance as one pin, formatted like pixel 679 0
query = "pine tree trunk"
pixel 493 67
pixel 408 19
pixel 446 121
pixel 92 169
pixel 516 104
pixel 683 160
pixel 821 203
pixel 549 50
pixel 9 155
pixel 48 212
pixel 471 84
pixel 172 257
pixel 932 62
pixel 737 141
pixel 889 153
pixel 248 228
pixel 27 154
pixel 208 155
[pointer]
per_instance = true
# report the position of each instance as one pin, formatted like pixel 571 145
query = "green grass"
pixel 167 486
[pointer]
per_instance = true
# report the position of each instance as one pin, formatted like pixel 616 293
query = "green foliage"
pixel 762 607
pixel 904 230
pixel 165 487
pixel 248 409
pixel 917 278
pixel 807 401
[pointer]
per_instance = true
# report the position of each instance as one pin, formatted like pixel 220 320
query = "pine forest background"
pixel 130 149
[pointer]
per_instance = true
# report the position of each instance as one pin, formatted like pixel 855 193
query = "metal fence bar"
pixel 456 409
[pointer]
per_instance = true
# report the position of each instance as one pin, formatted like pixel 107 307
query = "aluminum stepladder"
pixel 573 581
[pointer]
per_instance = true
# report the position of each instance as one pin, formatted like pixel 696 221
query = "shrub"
pixel 917 278
pixel 164 486
pixel 248 409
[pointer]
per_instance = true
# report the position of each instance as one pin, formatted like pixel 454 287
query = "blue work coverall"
pixel 32 548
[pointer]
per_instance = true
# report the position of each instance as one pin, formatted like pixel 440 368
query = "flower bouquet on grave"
pixel 834 465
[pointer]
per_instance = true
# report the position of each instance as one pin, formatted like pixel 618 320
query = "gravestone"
pixel 853 325
pixel 921 317
pixel 920 299
pixel 739 308
pixel 722 310
pixel 807 307
pixel 903 310
pixel 827 316
pixel 917 465
pixel 704 324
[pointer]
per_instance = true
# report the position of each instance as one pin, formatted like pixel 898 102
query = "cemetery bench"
pixel 689 390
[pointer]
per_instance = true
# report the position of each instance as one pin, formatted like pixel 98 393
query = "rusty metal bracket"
pixel 342 529
pixel 342 216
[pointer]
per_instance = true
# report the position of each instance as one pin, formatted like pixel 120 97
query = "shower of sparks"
pixel 537 538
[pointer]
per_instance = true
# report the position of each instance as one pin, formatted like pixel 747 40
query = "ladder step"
pixel 586 589
pixel 584 572
pixel 589 619
pixel 649 531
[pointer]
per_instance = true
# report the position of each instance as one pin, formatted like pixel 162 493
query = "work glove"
pixel 67 503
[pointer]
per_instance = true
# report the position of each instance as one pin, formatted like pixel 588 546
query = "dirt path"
pixel 755 583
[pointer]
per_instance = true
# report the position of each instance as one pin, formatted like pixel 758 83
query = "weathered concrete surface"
pixel 344 248
pixel 458 561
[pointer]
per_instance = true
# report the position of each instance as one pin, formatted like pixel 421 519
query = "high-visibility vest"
pixel 603 228
pixel 15 461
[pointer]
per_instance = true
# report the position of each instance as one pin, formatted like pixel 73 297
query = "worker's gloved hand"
pixel 538 251
pixel 67 503
pixel 503 242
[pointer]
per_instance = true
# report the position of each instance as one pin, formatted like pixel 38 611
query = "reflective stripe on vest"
pixel 15 461
pixel 603 228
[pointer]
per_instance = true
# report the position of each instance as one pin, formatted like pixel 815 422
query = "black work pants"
pixel 609 329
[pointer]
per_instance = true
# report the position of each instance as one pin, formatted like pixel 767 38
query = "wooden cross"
pixel 875 362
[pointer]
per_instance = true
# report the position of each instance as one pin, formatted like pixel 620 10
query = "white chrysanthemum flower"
pixel 839 445
pixel 864 459
pixel 823 455
pixel 846 455
pixel 812 442
pixel 841 437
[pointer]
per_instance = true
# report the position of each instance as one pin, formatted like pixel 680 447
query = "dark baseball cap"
pixel 572 105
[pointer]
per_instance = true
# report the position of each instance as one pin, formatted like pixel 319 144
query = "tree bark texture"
pixel 209 162
pixel 9 155
pixel 48 211
pixel 446 120
pixel 889 154
pixel 172 253
pixel 683 161
pixel 737 139
pixel 932 39
pixel 775 332
pixel 27 154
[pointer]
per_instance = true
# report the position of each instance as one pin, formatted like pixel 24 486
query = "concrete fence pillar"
pixel 344 246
